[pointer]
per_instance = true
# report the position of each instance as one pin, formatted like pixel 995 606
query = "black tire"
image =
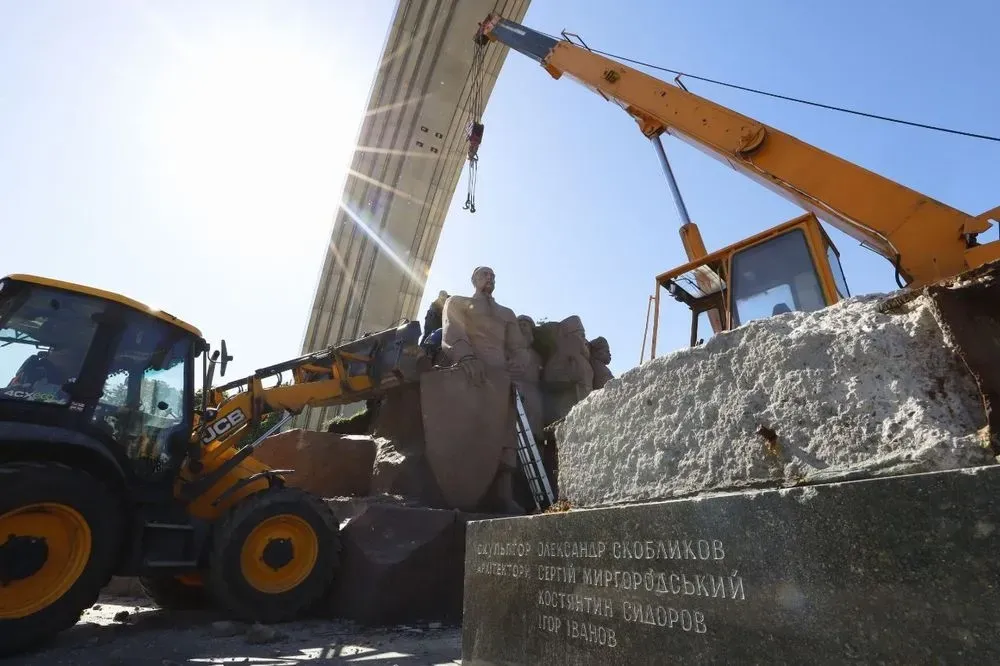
pixel 230 589
pixel 25 483
pixel 169 593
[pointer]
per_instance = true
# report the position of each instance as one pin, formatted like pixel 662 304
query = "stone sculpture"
pixel 600 357
pixel 478 331
pixel 484 340
pixel 530 378
pixel 568 376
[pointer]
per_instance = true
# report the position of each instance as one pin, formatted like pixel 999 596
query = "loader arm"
pixel 338 375
pixel 219 455
pixel 924 239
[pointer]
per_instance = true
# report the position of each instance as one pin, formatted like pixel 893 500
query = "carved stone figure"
pixel 483 338
pixel 530 377
pixel 570 360
pixel 600 357
pixel 478 331
pixel 568 376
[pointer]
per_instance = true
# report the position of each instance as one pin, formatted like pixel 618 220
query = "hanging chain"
pixel 474 131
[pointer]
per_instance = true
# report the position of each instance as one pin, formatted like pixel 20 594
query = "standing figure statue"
pixel 483 338
pixel 530 378
pixel 568 376
pixel 480 332
pixel 600 358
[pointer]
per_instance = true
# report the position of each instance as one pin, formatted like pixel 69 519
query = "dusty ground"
pixel 147 636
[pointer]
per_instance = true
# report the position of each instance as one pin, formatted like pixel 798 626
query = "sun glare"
pixel 251 131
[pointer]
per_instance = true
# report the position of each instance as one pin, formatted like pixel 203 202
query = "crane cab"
pixel 791 267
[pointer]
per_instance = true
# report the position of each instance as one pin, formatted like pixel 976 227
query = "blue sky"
pixel 191 155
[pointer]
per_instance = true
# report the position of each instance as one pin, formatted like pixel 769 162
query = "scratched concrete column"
pixel 411 151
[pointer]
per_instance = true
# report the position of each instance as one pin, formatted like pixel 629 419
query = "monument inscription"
pixel 598 586
pixel 894 570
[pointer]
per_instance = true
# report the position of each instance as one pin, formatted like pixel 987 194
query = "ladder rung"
pixel 530 458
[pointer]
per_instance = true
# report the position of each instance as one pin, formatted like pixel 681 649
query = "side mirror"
pixel 226 358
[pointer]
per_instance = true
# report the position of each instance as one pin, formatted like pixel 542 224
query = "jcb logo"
pixel 226 423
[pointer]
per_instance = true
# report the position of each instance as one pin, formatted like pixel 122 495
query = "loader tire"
pixel 274 556
pixel 171 593
pixel 60 538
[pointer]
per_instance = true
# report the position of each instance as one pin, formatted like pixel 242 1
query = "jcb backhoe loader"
pixel 793 266
pixel 107 465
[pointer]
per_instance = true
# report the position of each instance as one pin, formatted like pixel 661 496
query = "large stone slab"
pixel 466 428
pixel 399 563
pixel 401 466
pixel 325 464
pixel 845 391
pixel 899 570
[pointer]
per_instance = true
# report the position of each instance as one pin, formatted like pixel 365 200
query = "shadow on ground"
pixel 152 637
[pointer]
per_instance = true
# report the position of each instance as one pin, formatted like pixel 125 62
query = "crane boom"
pixel 926 240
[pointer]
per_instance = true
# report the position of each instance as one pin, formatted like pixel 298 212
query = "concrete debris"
pixel 157 637
pixel 227 628
pixel 260 634
pixel 842 392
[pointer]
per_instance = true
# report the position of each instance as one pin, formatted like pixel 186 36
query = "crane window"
pixel 838 272
pixel 775 277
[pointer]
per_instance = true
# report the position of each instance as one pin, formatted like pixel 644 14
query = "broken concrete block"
pixel 841 392
pixel 325 464
pixel 400 564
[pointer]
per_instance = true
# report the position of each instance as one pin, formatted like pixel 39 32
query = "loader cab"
pixel 104 370
pixel 793 267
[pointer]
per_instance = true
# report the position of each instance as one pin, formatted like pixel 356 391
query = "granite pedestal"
pixel 899 570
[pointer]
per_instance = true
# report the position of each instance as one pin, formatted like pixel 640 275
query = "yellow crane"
pixel 793 266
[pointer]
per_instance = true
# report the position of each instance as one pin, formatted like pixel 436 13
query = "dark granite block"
pixel 900 570
pixel 398 563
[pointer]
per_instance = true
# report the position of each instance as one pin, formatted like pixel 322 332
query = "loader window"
pixel 44 338
pixel 773 277
pixel 143 406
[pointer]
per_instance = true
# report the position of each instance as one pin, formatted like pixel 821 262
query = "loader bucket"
pixel 968 309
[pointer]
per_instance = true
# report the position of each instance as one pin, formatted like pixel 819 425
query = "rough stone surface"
pixel 346 508
pixel 325 464
pixel 123 586
pixel 881 571
pixel 401 564
pixel 845 391
pixel 467 428
pixel 401 466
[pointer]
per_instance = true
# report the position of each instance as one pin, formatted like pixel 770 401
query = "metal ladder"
pixel 530 458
